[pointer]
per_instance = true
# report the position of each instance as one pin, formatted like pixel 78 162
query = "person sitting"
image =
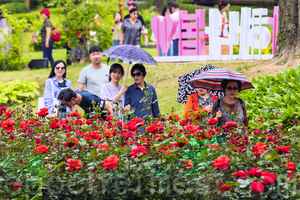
pixel 54 84
pixel 230 107
pixel 140 96
pixel 200 100
pixel 86 100
pixel 113 91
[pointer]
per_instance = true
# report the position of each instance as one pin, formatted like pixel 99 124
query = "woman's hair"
pixel 225 83
pixel 117 13
pixel 116 67
pixel 132 10
pixel 52 73
pixel 164 11
pixel 222 4
pixel 138 67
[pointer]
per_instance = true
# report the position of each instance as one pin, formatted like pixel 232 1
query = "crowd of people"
pixel 99 89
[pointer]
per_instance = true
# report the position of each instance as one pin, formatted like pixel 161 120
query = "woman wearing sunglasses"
pixel 230 107
pixel 54 84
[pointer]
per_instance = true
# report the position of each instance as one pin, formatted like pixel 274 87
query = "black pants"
pixel 47 52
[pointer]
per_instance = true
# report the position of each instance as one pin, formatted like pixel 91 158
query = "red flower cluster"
pixel 155 128
pixel 212 121
pixel 230 125
pixel 103 147
pixel 283 149
pixel 73 165
pixel 41 149
pixel 71 142
pixel 221 163
pixel 111 162
pixel 188 164
pixel 8 125
pixel 43 112
pixel 133 124
pixel 291 169
pixel 259 148
pixel 138 150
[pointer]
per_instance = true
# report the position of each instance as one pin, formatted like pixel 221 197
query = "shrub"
pixel 18 92
pixel 275 100
pixel 11 49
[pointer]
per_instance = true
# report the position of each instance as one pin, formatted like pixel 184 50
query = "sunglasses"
pixel 232 88
pixel 60 68
pixel 137 74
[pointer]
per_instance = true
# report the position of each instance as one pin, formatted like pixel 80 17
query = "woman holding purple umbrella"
pixel 230 107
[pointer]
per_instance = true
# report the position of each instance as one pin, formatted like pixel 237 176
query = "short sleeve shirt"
pixel 132 32
pixel 94 78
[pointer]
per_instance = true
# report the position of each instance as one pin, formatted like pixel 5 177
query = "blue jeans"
pixel 170 51
pixel 175 47
pixel 47 52
pixel 115 43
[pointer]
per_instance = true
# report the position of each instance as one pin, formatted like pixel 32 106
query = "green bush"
pixel 11 50
pixel 275 100
pixel 15 7
pixel 18 92
pixel 80 18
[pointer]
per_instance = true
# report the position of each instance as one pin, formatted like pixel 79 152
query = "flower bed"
pixel 98 158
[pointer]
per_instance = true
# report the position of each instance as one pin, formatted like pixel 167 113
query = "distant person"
pixel 95 75
pixel 230 107
pixel 47 42
pixel 165 13
pixel 56 82
pixel 5 31
pixel 87 101
pixel 200 100
pixel 117 30
pixel 132 29
pixel 114 91
pixel 140 96
pixel 224 7
pixel 175 14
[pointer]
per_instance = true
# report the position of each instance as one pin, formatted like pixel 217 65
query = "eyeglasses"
pixel 60 68
pixel 137 74
pixel 232 88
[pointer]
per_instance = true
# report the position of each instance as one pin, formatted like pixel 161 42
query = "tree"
pixel 289 38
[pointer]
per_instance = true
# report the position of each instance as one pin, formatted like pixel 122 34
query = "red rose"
pixel 2 109
pixel 240 174
pixel 54 124
pixel 257 132
pixel 254 172
pixel 223 187
pixel 230 124
pixel 110 162
pixel 103 147
pixel 37 140
pixel 283 149
pixel 15 186
pixel 155 128
pixel 257 187
pixel 291 166
pixel 71 142
pixel 41 149
pixel 259 148
pixel 138 150
pixel 212 121
pixel 93 135
pixel 126 134
pixel 8 125
pixel 73 165
pixel 75 114
pixel 133 124
pixel 221 163
pixel 43 112
pixel 188 164
pixel 268 178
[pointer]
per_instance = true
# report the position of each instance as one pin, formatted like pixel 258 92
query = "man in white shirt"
pixel 93 76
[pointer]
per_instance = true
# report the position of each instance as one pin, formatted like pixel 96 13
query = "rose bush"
pixel 103 158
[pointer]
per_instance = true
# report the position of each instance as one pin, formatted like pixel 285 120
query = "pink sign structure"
pixel 251 34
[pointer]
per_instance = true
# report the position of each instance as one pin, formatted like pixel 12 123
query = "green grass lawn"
pixel 163 76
